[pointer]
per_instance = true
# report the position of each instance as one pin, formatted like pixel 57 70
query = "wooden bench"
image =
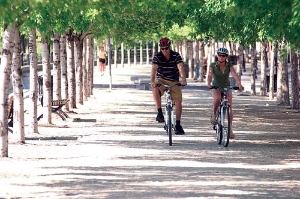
pixel 56 108
pixel 56 104
pixel 10 108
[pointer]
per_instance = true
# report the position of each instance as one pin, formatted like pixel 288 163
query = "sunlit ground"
pixel 125 153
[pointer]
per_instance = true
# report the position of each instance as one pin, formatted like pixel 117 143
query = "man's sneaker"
pixel 160 118
pixel 179 130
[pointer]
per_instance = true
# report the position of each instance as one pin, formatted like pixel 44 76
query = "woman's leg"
pixel 216 94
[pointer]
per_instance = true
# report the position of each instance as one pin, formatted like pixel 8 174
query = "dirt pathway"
pixel 125 154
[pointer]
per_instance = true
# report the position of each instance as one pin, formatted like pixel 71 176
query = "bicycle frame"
pixel 169 111
pixel 223 113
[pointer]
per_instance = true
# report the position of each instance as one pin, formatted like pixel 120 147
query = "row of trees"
pixel 70 27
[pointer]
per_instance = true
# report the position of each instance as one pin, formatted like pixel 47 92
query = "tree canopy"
pixel 129 21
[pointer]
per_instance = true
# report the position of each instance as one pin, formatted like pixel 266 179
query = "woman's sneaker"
pixel 160 118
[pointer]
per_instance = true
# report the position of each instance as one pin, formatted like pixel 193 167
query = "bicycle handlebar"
pixel 230 87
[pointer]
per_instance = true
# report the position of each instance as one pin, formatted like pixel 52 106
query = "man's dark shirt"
pixel 167 69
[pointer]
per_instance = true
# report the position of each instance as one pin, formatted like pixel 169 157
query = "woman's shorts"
pixel 176 93
pixel 102 60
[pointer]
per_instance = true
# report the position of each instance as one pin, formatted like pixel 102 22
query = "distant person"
pixel 219 72
pixel 102 55
pixel 167 66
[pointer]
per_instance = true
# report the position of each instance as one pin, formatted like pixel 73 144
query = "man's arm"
pixel 182 73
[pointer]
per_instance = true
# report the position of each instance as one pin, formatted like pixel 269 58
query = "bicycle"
pixel 222 125
pixel 169 111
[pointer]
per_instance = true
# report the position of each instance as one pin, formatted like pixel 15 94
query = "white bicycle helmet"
pixel 222 51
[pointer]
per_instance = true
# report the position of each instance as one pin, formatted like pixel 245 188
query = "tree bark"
pixel 295 80
pixel 33 128
pixel 147 53
pixel 78 63
pixel 282 87
pixel 64 74
pixel 90 73
pixel 6 61
pixel 263 82
pixel 128 57
pixel 253 71
pixel 18 113
pixel 201 60
pixel 47 82
pixel 134 56
pixel 141 53
pixel 85 63
pixel 56 67
pixel 71 70
pixel 272 69
pixel 122 55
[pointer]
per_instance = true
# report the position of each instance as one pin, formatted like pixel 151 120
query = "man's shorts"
pixel 176 93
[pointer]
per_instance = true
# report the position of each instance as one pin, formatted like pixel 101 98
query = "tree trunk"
pixel 263 82
pixel 128 57
pixel 116 56
pixel 271 80
pixel 109 61
pixel 90 73
pixel 196 57
pixel 295 81
pixel 71 70
pixel 201 60
pixel 47 83
pixel 141 53
pixel 78 63
pixel 134 56
pixel 209 57
pixel 64 74
pixel 253 71
pixel 6 61
pixel 282 87
pixel 147 53
pixel 184 51
pixel 153 48
pixel 18 113
pixel 56 67
pixel 122 55
pixel 85 63
pixel 240 60
pixel 33 128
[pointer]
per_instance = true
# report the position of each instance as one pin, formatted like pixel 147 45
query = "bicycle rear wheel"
pixel 169 125
pixel 225 125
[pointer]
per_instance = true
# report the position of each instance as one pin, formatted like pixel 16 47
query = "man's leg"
pixel 157 100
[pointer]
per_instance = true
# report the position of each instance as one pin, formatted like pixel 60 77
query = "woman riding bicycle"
pixel 219 72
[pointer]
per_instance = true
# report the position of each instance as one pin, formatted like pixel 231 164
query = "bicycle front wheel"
pixel 225 114
pixel 169 126
pixel 218 128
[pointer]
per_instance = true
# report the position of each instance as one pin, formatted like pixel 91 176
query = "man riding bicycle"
pixel 167 66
